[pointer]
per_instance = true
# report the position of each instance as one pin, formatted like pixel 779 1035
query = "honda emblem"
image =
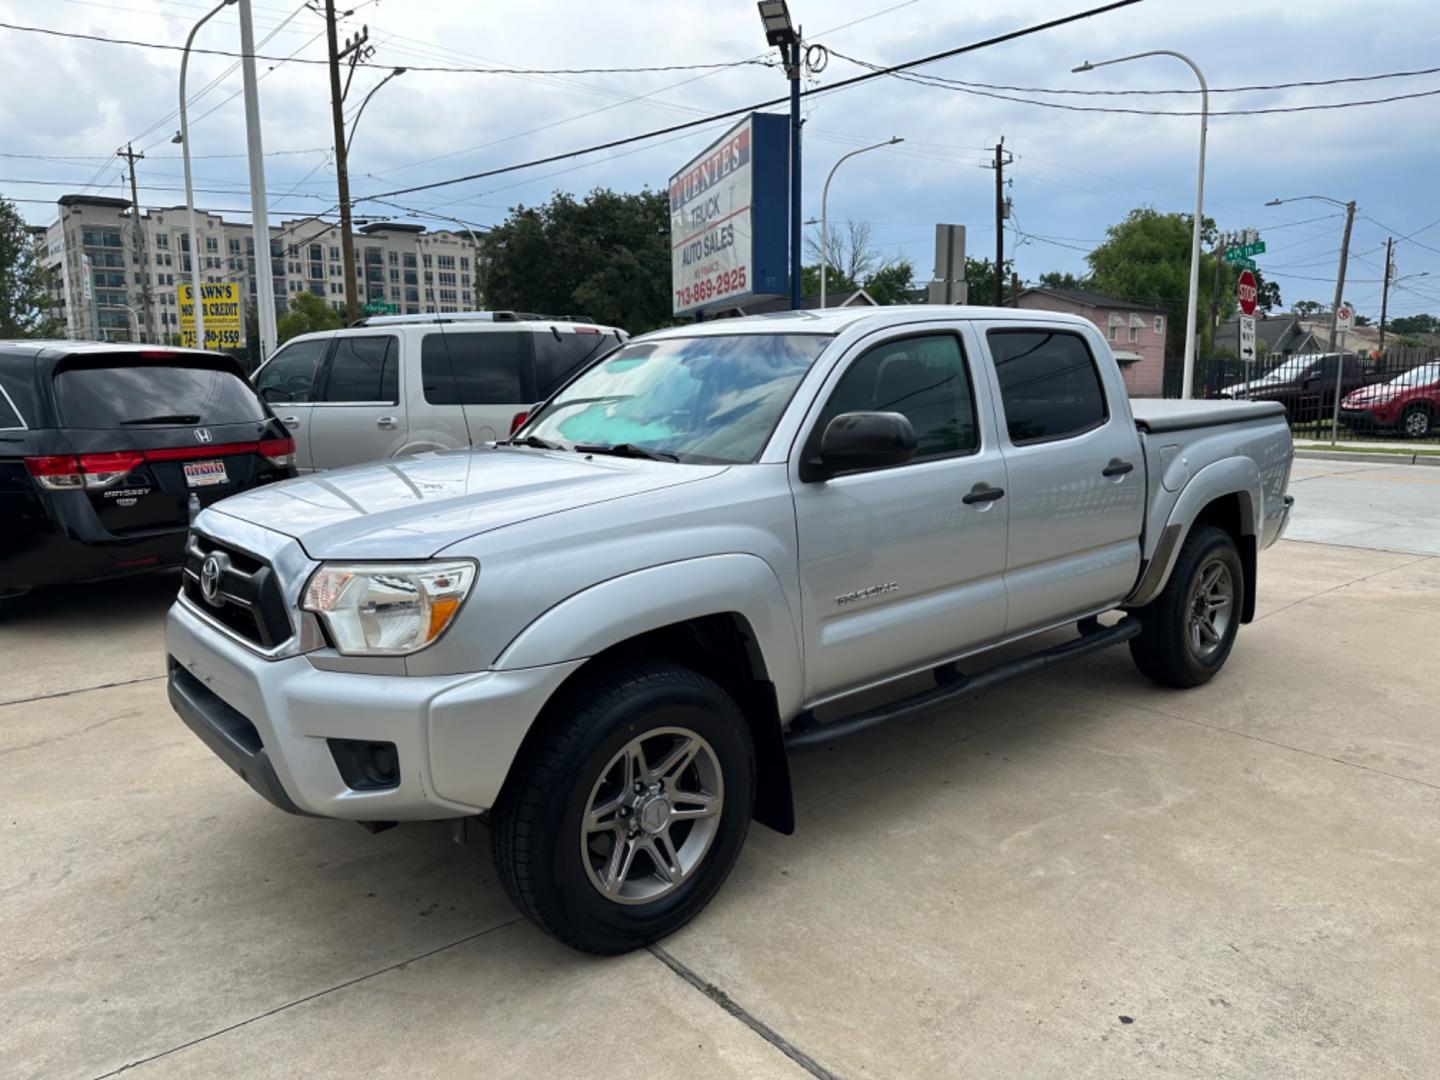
pixel 202 435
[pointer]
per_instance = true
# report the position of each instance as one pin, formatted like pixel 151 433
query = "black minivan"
pixel 106 451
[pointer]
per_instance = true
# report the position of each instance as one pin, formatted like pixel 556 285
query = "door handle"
pixel 290 421
pixel 980 493
pixel 389 423
pixel 1116 468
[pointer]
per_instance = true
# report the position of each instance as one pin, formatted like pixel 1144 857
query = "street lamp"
pixel 1198 224
pixel 824 208
pixel 781 33
pixel 356 121
pixel 1349 208
pixel 183 138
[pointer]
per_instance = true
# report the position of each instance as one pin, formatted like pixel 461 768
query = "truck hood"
pixel 413 507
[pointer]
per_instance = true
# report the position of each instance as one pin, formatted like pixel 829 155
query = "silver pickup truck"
pixel 606 634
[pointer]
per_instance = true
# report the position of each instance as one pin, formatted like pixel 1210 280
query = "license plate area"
pixel 205 473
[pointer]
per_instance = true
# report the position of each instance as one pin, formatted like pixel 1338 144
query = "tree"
pixel 1145 259
pixel 24 282
pixel 852 255
pixel 607 256
pixel 1306 308
pixel 306 314
pixel 980 279
pixel 892 284
pixel 1056 280
pixel 1268 294
pixel 1416 324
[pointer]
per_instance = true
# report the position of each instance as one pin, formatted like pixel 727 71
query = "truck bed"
pixel 1164 414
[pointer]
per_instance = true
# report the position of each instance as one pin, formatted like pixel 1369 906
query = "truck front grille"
pixel 241 593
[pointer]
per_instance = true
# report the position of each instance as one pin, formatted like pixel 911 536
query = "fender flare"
pixel 621 608
pixel 1229 476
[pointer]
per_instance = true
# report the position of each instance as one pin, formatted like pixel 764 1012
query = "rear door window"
pixel 153 394
pixel 560 353
pixel 1049 384
pixel 9 415
pixel 363 369
pixel 476 368
pixel 290 374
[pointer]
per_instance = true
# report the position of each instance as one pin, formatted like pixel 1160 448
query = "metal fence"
pixel 1392 397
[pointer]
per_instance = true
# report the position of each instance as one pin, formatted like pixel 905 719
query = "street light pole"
pixel 824 208
pixel 354 123
pixel 1197 225
pixel 259 214
pixel 195 301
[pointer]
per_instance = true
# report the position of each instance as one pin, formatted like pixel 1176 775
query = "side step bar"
pixel 806 734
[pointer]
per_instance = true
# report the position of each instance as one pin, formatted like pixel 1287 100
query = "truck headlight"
pixel 388 609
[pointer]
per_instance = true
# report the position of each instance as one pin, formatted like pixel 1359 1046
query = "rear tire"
pixel 1188 630
pixel 624 817
pixel 1416 422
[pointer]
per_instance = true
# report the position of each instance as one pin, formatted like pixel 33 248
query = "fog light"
pixel 366 766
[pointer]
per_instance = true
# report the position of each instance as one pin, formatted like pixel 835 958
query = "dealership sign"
pixel 220 305
pixel 728 219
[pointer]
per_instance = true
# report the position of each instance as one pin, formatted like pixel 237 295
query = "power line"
pixel 948 84
pixel 1192 91
pixel 842 84
pixel 51 32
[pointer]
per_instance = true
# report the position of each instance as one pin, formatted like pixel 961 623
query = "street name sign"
pixel 1244 251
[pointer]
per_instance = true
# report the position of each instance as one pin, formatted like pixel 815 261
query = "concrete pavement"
pixel 1079 876
pixel 1381 506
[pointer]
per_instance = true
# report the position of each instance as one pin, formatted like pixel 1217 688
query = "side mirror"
pixel 863 440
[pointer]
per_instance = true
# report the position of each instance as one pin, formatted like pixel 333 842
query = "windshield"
pixel 702 399
pixel 1288 371
pixel 1423 375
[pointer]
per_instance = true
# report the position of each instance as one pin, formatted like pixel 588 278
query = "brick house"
pixel 1136 332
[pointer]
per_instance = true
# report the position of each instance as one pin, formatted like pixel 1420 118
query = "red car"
pixel 1408 404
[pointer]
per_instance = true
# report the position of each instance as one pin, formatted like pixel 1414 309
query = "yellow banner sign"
pixel 224 319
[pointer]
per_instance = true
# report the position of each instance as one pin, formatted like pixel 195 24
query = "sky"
pixel 69 104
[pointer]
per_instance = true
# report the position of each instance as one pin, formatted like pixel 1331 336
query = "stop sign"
pixel 1248 292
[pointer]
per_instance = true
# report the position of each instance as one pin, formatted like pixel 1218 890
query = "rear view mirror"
pixel 863 440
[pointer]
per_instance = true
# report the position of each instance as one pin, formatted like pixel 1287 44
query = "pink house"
pixel 1136 332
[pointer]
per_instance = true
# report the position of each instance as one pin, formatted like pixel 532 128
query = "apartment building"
pixel 411 268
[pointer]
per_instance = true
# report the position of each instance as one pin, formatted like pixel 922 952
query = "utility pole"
pixel 131 157
pixel 1221 243
pixel 1002 211
pixel 1385 294
pixel 1340 284
pixel 354 48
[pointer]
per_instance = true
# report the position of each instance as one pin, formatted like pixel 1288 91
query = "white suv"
pixel 399 384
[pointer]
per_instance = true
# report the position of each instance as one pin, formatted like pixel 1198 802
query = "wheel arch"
pixel 723 616
pixel 1227 495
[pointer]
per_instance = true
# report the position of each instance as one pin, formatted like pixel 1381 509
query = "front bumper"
pixel 270 720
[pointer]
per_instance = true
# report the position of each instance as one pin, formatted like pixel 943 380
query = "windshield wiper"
pixel 177 418
pixel 626 449
pixel 530 440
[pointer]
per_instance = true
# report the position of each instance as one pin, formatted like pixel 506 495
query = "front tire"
pixel 1188 630
pixel 626 814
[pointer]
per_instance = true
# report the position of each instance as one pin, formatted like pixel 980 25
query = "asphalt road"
pixel 1387 507
pixel 1080 876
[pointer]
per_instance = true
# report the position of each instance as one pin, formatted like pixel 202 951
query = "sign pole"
pixel 795 235
pixel 1342 319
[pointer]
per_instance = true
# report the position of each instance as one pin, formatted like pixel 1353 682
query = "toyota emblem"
pixel 210 571
pixel 202 434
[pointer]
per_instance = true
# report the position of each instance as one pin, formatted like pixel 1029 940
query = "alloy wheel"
pixel 1212 606
pixel 652 816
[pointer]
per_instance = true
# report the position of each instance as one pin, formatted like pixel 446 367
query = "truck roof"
pixel 836 320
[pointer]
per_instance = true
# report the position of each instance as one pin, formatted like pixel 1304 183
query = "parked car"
pixel 1408 404
pixel 608 631
pixel 107 450
pixel 399 384
pixel 1305 385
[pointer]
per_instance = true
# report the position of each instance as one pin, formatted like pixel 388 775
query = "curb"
pixel 1369 459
